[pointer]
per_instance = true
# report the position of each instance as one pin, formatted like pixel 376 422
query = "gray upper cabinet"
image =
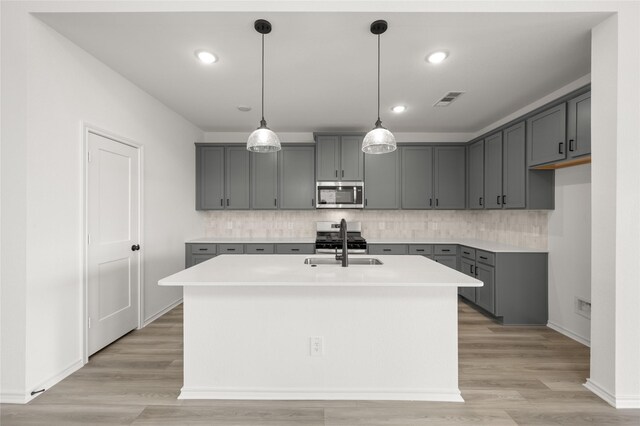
pixel 328 157
pixel 209 177
pixel 264 181
pixel 417 177
pixel 449 177
pixel 475 175
pixel 546 133
pixel 382 181
pixel 579 126
pixel 352 158
pixel 297 177
pixel 339 158
pixel 514 170
pixel 236 180
pixel 493 171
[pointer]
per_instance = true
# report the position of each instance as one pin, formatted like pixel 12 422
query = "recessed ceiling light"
pixel 437 57
pixel 399 108
pixel 206 57
pixel 244 108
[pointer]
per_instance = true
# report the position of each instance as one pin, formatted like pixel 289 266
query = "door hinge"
pixel 89 322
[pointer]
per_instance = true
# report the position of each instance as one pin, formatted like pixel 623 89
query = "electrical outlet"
pixel 583 307
pixel 316 346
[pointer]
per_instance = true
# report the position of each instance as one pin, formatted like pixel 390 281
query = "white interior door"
pixel 113 240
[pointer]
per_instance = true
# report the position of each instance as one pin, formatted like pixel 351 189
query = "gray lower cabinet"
pixel 447 260
pixel 236 180
pixel 485 295
pixel 339 157
pixel 388 249
pixel 199 252
pixel 467 267
pixel 297 178
pixel 287 248
pixel 417 177
pixel 264 181
pixel 475 175
pixel 449 180
pixel 209 177
pixel 546 133
pixel 579 126
pixel 382 181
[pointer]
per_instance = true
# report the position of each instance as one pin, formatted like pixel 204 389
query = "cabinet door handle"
pixel 227 202
pixel 480 201
pixel 221 202
pixel 203 249
pixel 471 269
pixel 259 249
pixel 419 249
pixel 571 145
pixel 483 257
pixel 560 146
pixel 343 173
pixel 275 202
pixel 231 249
pixel 295 249
pixel 365 202
pixel 498 200
pixel 436 202
pixel 336 173
pixel 386 249
pixel 504 199
pixel 476 274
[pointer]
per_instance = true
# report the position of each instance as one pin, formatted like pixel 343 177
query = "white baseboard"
pixel 163 311
pixel 322 394
pixel 13 397
pixel 626 401
pixel 569 334
pixel 23 398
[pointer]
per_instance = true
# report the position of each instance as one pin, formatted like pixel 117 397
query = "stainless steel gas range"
pixel 328 238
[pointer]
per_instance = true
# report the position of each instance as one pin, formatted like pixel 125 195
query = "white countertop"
pixel 253 240
pixel 290 270
pixel 477 244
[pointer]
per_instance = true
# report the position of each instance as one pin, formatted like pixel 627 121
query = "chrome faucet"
pixel 343 234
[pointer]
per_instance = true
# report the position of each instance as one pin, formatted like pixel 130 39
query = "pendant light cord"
pixel 378 77
pixel 262 81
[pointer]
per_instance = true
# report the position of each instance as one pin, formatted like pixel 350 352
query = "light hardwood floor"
pixel 508 376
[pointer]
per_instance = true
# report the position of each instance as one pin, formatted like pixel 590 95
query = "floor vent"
pixel 447 99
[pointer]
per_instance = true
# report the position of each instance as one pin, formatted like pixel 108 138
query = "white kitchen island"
pixel 272 327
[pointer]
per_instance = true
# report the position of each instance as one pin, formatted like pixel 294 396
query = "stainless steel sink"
pixel 315 261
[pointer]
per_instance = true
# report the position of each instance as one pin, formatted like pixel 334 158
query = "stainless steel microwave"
pixel 339 195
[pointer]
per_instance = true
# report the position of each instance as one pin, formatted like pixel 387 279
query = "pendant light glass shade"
pixel 263 139
pixel 379 140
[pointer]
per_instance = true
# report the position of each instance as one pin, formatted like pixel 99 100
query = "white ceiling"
pixel 321 67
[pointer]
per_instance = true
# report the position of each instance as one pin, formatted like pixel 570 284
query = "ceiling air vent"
pixel 447 99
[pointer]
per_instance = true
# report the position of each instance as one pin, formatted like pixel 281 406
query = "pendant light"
pixel 263 139
pixel 379 140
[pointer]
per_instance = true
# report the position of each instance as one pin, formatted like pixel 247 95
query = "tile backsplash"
pixel 520 228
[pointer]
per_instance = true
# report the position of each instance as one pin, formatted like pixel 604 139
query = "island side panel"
pixel 379 343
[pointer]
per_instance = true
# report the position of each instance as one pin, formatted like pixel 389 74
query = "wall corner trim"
pixel 625 401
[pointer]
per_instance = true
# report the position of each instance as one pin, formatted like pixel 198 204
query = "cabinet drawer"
pixel 446 260
pixel 485 257
pixel 295 248
pixel 259 249
pixel 423 249
pixel 468 252
pixel 230 248
pixel 204 248
pixel 445 249
pixel 388 249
